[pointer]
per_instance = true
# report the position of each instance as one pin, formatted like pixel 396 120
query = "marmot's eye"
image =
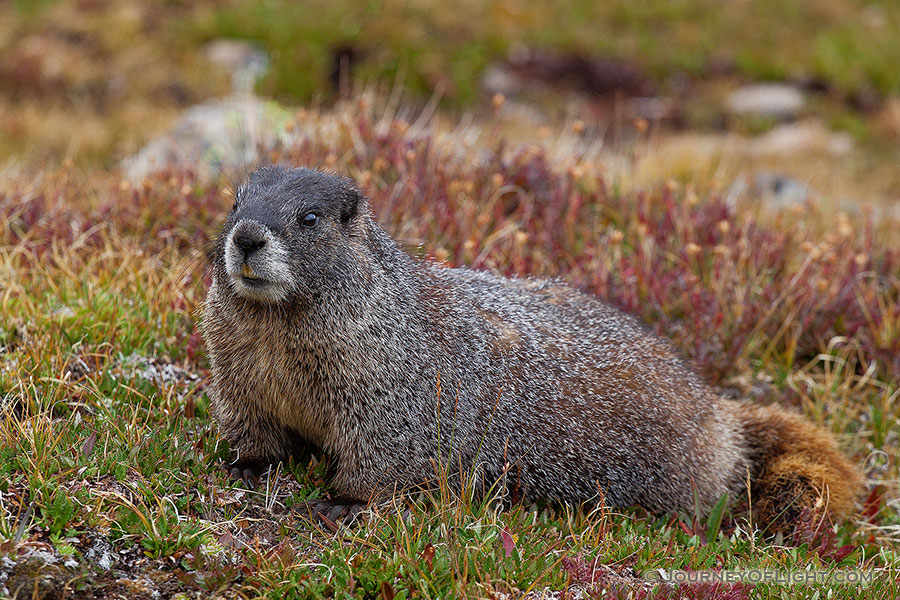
pixel 309 220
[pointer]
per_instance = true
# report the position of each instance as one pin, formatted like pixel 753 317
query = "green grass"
pixel 689 51
pixel 848 43
pixel 109 459
pixel 110 465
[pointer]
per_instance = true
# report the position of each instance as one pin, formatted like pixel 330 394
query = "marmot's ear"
pixel 351 203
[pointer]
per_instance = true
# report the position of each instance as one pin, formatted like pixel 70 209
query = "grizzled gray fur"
pixel 322 332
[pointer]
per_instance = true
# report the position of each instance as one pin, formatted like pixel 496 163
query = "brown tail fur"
pixel 794 465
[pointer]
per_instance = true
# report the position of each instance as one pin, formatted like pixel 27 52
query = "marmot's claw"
pixel 335 511
pixel 247 473
pixel 246 476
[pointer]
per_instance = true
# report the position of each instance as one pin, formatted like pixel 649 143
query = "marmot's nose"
pixel 249 242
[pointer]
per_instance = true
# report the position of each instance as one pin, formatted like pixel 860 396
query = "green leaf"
pixel 714 521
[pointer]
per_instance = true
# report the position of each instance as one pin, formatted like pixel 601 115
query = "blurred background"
pixel 796 94
pixel 726 170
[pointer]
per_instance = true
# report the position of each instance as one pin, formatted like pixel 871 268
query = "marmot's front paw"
pixel 335 511
pixel 247 471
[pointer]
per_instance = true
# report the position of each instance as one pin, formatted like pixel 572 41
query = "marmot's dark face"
pixel 288 231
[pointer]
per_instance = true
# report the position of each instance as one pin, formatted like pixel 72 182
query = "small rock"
pixel 64 312
pixel 44 554
pixel 499 79
pixel 803 137
pixel 840 143
pixel 245 61
pixel 771 191
pixel 217 136
pixel 776 100
pixel 155 370
pixel 779 191
pixel 101 554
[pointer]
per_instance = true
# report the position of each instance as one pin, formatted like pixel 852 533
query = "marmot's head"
pixel 288 234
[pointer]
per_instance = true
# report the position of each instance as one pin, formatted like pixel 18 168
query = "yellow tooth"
pixel 247 272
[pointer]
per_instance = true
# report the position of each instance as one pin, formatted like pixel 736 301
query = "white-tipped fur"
pixel 269 263
pixel 546 389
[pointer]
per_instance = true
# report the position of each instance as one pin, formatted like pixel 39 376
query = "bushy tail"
pixel 794 465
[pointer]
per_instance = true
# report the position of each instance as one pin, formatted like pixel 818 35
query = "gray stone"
pixel 770 191
pixel 214 137
pixel 101 554
pixel 499 79
pixel 779 191
pixel 803 137
pixel 245 61
pixel 776 100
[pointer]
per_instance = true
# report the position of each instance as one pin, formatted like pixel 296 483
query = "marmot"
pixel 323 332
